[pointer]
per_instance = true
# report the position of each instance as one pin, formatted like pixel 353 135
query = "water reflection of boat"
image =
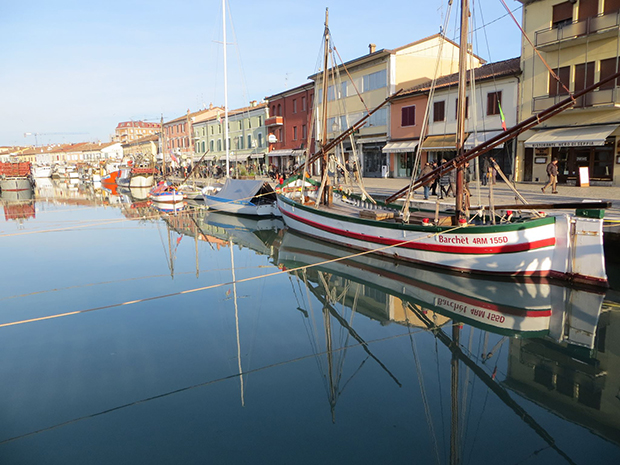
pixel 16 209
pixel 253 233
pixel 520 308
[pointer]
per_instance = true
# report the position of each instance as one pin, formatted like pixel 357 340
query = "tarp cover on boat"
pixel 584 136
pixel 402 146
pixel 247 189
pixel 440 143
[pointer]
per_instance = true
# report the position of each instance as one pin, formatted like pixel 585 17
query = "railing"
pixel 592 99
pixel 576 29
pixel 274 121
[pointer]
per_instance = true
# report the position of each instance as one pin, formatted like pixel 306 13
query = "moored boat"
pixel 16 177
pixel 243 197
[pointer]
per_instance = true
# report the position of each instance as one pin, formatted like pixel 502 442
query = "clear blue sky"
pixel 70 66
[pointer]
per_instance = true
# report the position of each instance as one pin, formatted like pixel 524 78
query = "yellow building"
pixel 580 41
pixel 376 76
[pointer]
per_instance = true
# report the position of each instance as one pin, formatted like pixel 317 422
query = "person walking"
pixel 435 180
pixel 444 182
pixel 552 172
pixel 427 185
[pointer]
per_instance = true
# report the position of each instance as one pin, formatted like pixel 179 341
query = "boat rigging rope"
pixel 218 285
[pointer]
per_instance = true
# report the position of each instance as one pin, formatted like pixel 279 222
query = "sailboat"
pixel 242 197
pixel 560 245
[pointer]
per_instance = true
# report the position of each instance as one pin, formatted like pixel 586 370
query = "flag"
pixel 174 158
pixel 179 239
pixel 501 115
pixel 228 293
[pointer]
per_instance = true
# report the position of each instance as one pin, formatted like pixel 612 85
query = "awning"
pixel 439 143
pixel 281 153
pixel 257 155
pixel 584 136
pixel 478 138
pixel 400 147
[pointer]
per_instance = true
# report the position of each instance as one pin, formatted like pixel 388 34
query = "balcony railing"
pixel 595 24
pixel 601 97
pixel 274 121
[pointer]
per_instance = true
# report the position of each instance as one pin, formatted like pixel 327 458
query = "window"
pixel 494 101
pixel 273 110
pixel 294 132
pixel 304 132
pixel 279 110
pixel 303 104
pixel 241 143
pixel 439 111
pixel 374 81
pixel 456 111
pixel 260 121
pixel 344 89
pixel 407 116
pixel 260 139
pixel 555 88
pixel 608 68
pixel 611 6
pixel 330 93
pixel 219 145
pixel 294 105
pixel 584 75
pixel 587 9
pixel 562 14
pixel 249 141
pixel 378 118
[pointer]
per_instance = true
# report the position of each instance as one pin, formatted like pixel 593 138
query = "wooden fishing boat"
pixel 16 177
pixel 501 243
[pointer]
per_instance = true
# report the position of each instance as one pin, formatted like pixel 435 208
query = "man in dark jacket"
pixel 427 185
pixel 552 172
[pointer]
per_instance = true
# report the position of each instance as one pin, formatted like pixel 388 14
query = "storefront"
pixel 591 147
pixel 374 160
pixel 403 157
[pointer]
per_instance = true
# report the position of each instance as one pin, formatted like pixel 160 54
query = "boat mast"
pixel 462 107
pixel 162 142
pixel 324 157
pixel 225 93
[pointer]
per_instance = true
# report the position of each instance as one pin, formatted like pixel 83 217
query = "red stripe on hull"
pixel 428 247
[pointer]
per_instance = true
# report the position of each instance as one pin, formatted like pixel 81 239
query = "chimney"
pixel 253 103
pixel 371 48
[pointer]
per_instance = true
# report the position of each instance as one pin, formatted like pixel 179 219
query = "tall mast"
pixel 324 116
pixel 462 105
pixel 225 93
pixel 163 146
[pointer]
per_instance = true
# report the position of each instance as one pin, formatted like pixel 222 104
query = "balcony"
pixel 596 27
pixel 601 98
pixel 274 121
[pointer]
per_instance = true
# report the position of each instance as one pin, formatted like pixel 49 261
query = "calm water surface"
pixel 143 336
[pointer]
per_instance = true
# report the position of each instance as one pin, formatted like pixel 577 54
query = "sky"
pixel 70 70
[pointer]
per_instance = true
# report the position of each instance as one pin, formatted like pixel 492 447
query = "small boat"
pixel 142 175
pixel 243 197
pixel 16 177
pixel 42 171
pixel 124 176
pixel 164 193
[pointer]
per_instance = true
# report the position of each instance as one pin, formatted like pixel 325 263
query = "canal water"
pixel 135 335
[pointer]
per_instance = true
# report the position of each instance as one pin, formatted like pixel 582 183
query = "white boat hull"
pixel 537 247
pixel 139 180
pixel 15 184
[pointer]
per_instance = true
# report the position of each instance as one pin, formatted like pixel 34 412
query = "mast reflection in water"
pixel 151 336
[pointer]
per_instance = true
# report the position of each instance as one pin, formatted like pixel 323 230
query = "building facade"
pixel 289 126
pixel 128 131
pixel 247 137
pixel 178 139
pixel 375 77
pixel 580 40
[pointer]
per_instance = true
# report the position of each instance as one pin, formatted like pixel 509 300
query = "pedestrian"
pixel 428 168
pixel 444 182
pixel 485 170
pixel 466 181
pixel 552 172
pixel 435 180
pixel 492 170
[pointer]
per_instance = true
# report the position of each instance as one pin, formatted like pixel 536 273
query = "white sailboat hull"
pixel 537 247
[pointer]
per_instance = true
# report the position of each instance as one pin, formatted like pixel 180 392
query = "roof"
pixel 510 67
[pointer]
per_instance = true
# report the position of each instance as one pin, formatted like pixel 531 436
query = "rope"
pixel 215 286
